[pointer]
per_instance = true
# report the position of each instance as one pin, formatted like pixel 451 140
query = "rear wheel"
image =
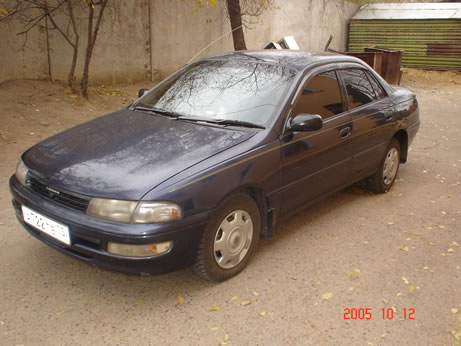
pixel 388 168
pixel 229 240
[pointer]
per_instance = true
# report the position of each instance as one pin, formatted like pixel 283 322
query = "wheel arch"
pixel 402 137
pixel 264 206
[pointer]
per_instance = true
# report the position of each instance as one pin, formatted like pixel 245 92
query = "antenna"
pixel 220 37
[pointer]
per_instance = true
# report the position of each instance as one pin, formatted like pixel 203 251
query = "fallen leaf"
pixel 215 308
pixel 405 280
pixel 454 311
pixel 214 328
pixel 384 335
pixel 365 242
pixel 37 274
pixel 403 248
pixel 180 299
pixel 425 268
pixel 233 299
pixel 390 223
pixel 411 289
pixel 245 302
pixel 450 250
pixel 226 337
pixel 398 294
pixel 262 313
pixel 444 212
pixel 354 272
pixel 256 294
pixel 455 243
pixel 431 243
pixel 327 295
pixel 85 302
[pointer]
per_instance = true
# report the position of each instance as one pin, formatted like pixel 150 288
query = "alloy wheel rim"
pixel 391 165
pixel 233 239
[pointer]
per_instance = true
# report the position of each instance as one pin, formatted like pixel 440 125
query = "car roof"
pixel 296 59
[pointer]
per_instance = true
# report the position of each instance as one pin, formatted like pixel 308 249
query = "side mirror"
pixel 142 91
pixel 305 122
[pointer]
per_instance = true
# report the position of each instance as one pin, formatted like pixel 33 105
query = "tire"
pixel 388 168
pixel 229 240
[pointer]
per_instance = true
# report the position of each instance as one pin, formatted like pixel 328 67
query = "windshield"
pixel 222 90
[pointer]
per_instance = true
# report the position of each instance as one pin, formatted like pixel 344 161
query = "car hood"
pixel 126 154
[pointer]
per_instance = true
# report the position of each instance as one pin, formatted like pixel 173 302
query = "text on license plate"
pixel 46 225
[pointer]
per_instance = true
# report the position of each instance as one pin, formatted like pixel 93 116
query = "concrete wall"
pixel 149 39
pixel 121 52
pixel 22 57
pixel 179 31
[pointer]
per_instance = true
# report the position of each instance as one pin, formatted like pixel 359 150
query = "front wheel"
pixel 388 168
pixel 229 240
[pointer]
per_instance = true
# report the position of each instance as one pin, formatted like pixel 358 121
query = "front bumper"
pixel 90 235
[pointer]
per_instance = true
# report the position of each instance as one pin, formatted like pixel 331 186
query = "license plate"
pixel 46 225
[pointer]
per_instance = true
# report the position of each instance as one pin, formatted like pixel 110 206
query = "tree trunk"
pixel 89 49
pixel 91 41
pixel 235 15
pixel 70 77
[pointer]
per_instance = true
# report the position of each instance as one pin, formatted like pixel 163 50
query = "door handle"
pixel 345 132
pixel 389 117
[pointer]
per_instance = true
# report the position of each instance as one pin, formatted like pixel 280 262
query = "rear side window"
pixel 321 95
pixel 379 91
pixel 358 86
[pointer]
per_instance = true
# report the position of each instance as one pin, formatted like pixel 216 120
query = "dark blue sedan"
pixel 202 166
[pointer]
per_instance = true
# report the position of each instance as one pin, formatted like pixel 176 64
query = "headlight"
pixel 21 172
pixel 133 211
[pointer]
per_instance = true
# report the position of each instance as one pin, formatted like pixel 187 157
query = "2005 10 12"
pixel 367 313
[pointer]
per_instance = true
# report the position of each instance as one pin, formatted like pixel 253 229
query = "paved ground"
pixel 398 252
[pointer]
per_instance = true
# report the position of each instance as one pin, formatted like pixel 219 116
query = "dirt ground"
pixel 399 252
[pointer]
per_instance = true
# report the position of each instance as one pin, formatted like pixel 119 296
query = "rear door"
pixel 372 115
pixel 316 162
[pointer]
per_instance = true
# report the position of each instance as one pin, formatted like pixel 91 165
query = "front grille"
pixel 69 200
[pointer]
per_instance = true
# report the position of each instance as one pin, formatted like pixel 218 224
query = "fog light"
pixel 147 250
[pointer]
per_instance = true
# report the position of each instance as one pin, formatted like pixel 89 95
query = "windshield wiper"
pixel 225 122
pixel 158 111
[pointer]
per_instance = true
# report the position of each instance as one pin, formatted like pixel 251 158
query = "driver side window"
pixel 320 95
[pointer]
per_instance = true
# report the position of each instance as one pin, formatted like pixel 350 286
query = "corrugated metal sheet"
pixel 410 11
pixel 426 43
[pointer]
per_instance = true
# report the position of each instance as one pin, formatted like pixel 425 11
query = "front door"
pixel 317 162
